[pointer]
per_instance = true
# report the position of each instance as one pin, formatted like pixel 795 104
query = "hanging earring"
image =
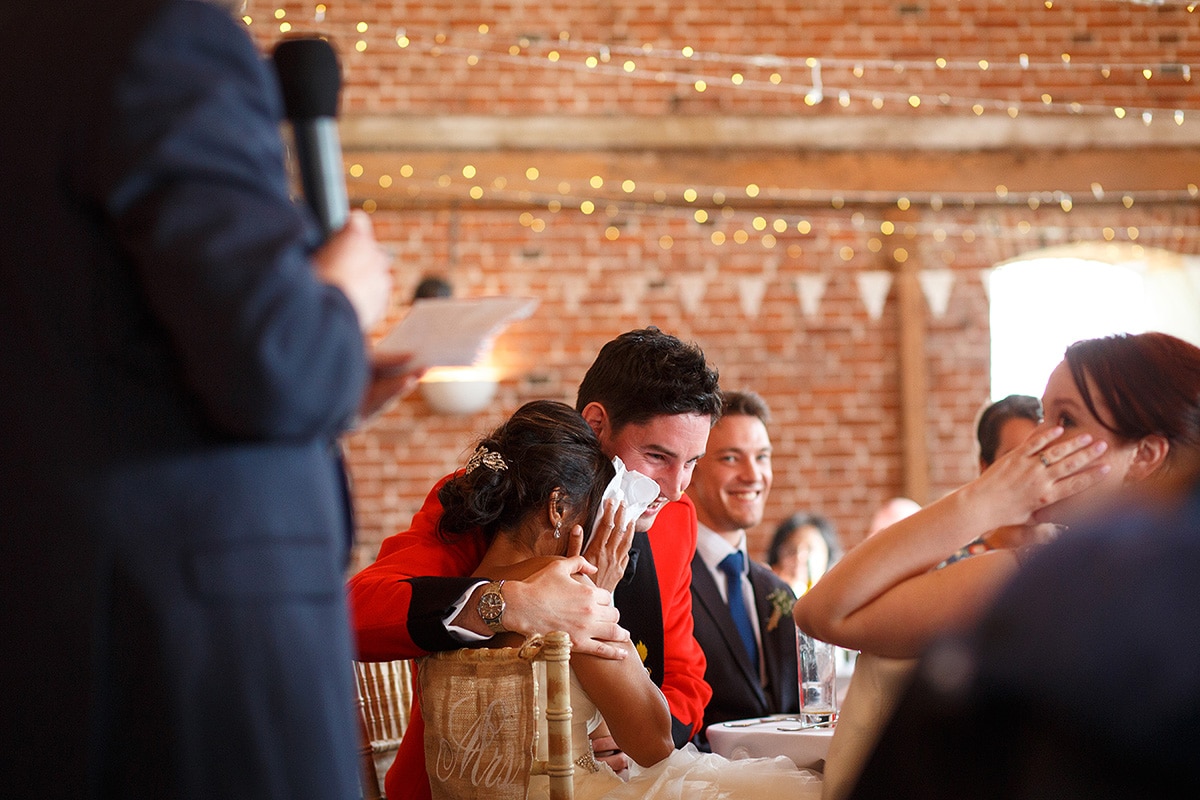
pixel 558 529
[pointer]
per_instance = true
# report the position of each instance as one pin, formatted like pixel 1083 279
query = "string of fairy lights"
pixel 813 80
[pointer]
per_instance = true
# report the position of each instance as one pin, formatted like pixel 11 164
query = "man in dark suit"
pixel 178 363
pixel 741 609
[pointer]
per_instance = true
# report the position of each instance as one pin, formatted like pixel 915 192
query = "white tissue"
pixel 633 491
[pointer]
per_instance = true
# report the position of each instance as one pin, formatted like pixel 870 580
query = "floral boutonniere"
pixel 781 601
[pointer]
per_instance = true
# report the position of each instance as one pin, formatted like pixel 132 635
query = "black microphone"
pixel 310 78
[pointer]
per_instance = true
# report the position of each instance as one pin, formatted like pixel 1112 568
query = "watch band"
pixel 491 607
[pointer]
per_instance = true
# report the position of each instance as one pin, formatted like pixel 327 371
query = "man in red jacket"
pixel 651 400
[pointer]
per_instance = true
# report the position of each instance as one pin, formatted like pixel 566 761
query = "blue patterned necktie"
pixel 731 565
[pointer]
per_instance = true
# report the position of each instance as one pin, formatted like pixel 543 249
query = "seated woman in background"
pixel 805 545
pixel 1118 414
pixel 534 485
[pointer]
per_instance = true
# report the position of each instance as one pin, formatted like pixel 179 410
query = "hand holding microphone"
pixel 350 259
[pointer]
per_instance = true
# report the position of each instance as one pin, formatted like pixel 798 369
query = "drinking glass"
pixel 817 664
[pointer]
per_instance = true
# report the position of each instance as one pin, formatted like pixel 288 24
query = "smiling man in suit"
pixel 741 609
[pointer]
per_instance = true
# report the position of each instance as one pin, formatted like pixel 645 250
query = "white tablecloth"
pixel 775 738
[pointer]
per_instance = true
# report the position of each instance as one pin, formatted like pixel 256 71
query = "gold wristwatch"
pixel 491 607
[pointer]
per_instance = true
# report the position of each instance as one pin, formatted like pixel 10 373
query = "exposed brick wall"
pixel 832 379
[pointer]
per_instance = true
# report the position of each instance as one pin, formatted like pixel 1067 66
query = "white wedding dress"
pixel 685 774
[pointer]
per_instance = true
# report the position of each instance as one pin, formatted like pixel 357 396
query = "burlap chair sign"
pixel 481 713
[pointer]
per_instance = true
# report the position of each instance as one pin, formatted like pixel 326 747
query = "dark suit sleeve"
pixel 189 168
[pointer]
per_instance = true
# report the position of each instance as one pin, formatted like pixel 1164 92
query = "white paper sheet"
pixel 451 331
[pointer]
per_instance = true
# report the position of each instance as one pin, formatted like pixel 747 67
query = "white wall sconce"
pixel 458 390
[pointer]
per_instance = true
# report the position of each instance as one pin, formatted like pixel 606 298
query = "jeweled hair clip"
pixel 492 460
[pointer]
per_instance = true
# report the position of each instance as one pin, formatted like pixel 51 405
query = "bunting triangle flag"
pixel 691 291
pixel 633 289
pixel 873 288
pixel 985 277
pixel 810 288
pixel 750 294
pixel 574 289
pixel 936 285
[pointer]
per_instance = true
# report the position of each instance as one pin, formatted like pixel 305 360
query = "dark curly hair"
pixel 545 446
pixel 991 421
pixel 646 373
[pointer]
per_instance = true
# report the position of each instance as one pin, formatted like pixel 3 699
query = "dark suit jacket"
pixel 173 531
pixel 737 693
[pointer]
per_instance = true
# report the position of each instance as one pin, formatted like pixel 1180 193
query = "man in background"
pixel 742 610
pixel 178 363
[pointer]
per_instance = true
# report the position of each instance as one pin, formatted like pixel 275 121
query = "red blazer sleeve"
pixel 673 542
pixel 398 602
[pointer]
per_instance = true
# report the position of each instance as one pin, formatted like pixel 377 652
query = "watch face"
pixel 491 605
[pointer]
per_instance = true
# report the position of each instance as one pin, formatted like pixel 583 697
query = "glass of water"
pixel 817 663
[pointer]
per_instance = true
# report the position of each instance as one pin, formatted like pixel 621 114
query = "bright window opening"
pixel 1043 303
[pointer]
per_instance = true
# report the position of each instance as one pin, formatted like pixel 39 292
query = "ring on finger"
pixel 1045 461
